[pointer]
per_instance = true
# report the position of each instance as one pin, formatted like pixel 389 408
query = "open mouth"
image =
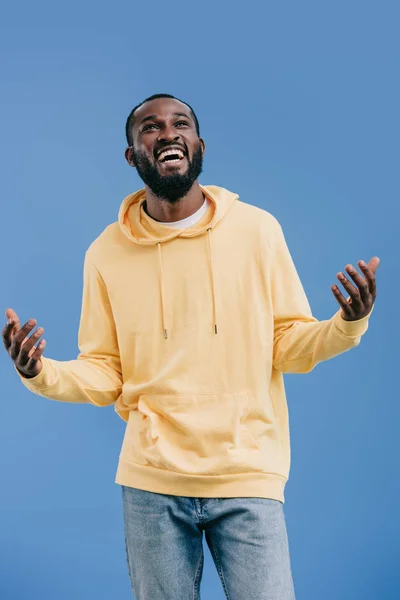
pixel 172 156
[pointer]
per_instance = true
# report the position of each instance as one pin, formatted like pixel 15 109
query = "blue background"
pixel 299 108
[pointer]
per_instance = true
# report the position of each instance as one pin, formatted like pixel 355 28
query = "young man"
pixel 192 311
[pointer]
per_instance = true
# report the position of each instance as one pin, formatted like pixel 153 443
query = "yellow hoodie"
pixel 187 332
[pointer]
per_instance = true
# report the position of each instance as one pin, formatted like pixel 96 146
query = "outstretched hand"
pixel 362 296
pixel 21 349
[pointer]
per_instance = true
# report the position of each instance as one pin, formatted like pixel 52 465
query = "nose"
pixel 168 134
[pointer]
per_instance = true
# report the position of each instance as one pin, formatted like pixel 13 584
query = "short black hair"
pixel 131 119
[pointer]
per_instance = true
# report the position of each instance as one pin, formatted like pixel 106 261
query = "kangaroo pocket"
pixel 193 434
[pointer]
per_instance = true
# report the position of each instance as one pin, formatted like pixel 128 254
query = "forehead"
pixel 163 108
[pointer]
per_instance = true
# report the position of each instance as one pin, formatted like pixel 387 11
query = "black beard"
pixel 169 187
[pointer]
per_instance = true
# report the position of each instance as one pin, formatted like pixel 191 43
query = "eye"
pixel 182 123
pixel 148 126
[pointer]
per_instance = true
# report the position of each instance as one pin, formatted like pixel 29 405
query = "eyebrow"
pixel 153 117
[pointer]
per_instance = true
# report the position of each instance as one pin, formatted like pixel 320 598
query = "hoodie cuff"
pixel 42 380
pixel 352 328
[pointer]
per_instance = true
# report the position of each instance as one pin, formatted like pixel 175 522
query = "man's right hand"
pixel 21 349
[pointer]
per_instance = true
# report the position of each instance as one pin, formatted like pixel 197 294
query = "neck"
pixel 168 212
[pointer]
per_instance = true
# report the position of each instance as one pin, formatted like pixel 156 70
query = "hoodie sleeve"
pixel 300 340
pixel 95 376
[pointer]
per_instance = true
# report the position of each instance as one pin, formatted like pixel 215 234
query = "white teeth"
pixel 171 151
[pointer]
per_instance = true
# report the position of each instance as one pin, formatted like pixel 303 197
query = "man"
pixel 192 310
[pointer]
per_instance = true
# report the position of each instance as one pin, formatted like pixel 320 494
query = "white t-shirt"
pixel 189 221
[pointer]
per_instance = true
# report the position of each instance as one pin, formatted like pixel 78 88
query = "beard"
pixel 169 187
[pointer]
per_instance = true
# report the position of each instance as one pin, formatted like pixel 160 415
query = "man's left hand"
pixel 361 299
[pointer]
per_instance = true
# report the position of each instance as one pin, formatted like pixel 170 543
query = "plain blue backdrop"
pixel 298 103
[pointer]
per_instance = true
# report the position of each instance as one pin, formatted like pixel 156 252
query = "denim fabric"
pixel 247 538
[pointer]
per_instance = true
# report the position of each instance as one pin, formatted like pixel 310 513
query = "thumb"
pixel 374 263
pixel 11 314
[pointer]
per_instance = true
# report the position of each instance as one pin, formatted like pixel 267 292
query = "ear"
pixel 203 145
pixel 129 156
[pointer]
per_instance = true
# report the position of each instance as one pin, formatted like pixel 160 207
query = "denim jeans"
pixel 247 538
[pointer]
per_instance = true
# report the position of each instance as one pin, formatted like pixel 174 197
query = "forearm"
pixel 299 347
pixel 84 380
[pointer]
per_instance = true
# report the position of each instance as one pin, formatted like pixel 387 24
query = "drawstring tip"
pixel 165 334
pixel 215 328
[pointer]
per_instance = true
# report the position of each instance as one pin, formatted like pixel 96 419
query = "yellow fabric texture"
pixel 188 332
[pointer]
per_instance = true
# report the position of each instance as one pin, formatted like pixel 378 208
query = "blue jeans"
pixel 247 539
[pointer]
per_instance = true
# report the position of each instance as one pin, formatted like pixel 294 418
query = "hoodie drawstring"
pixel 162 289
pixel 212 285
pixel 212 280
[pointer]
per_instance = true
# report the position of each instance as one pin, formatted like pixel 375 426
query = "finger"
pixel 27 346
pixel 6 334
pixel 19 337
pixel 349 287
pixel 33 349
pixel 10 327
pixel 342 301
pixel 361 283
pixel 369 276
pixel 12 315
pixel 37 353
pixel 374 263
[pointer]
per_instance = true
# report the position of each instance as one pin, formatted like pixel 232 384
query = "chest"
pixel 185 279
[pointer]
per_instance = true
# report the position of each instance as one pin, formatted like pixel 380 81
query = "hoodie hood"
pixel 141 229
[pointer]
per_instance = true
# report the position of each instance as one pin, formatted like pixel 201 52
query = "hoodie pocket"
pixel 194 434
